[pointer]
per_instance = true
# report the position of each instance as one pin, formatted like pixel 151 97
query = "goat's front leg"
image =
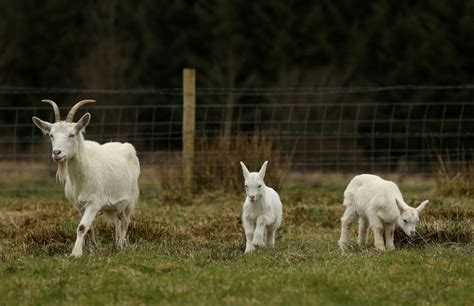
pixel 86 222
pixel 91 238
pixel 118 232
pixel 249 230
pixel 270 236
pixel 121 226
pixel 377 227
pixel 124 229
pixel 363 227
pixel 259 234
pixel 378 238
pixel 389 229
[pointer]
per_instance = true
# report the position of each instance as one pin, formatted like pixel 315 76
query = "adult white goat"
pixel 262 211
pixel 97 178
pixel 379 204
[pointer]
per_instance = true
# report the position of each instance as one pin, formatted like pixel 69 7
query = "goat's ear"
pixel 245 170
pixel 262 171
pixel 422 206
pixel 44 126
pixel 83 122
pixel 400 206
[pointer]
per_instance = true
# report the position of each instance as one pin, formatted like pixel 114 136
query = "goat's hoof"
pixel 258 243
pixel 249 250
pixel 380 248
pixel 342 245
pixel 390 247
pixel 75 254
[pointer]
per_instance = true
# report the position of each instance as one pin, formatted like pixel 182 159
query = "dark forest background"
pixel 141 44
pixel 275 44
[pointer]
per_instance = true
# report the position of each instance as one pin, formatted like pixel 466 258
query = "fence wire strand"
pixel 321 136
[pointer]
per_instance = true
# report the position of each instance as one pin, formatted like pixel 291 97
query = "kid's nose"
pixel 56 152
pixel 412 233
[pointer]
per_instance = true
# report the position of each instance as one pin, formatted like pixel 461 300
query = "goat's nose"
pixel 56 152
pixel 412 233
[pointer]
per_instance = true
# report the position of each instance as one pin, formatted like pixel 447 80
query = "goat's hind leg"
pixel 346 222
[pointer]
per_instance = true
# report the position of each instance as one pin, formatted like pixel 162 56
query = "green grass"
pixel 189 250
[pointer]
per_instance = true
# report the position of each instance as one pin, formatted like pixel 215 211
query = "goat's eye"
pixel 246 186
pixel 405 221
pixel 51 136
pixel 71 136
pixel 259 186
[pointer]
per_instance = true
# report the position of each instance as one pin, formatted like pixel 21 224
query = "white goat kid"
pixel 97 178
pixel 379 204
pixel 262 211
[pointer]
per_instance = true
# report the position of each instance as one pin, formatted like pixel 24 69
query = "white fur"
pixel 97 178
pixel 262 211
pixel 379 205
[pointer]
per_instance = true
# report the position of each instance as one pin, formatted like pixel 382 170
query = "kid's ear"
pixel 44 126
pixel 400 206
pixel 83 122
pixel 245 170
pixel 422 206
pixel 262 171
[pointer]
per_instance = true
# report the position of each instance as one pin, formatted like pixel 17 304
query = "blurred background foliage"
pixel 129 44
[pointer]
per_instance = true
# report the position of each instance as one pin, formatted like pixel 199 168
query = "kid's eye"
pixel 259 186
pixel 405 221
pixel 71 136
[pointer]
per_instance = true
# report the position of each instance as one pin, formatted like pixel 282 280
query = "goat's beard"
pixel 61 173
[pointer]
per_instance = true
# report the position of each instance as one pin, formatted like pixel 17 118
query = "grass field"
pixel 189 250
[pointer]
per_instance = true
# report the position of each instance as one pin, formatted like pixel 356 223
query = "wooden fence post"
pixel 189 126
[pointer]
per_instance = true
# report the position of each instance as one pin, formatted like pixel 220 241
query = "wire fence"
pixel 314 136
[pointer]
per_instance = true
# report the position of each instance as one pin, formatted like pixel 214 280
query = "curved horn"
pixel 74 109
pixel 57 116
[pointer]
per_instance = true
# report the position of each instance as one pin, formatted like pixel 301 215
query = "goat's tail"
pixel 348 197
pixel 350 192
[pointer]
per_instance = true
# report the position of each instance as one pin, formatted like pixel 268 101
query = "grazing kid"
pixel 377 204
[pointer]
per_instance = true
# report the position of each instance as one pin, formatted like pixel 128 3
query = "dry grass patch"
pixel 454 176
pixel 217 161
